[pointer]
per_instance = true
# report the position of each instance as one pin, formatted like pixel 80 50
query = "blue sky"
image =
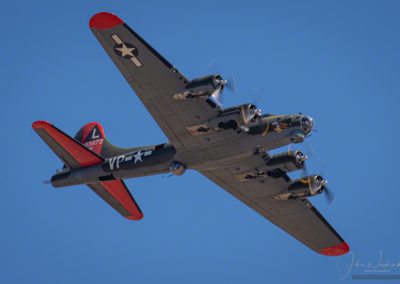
pixel 337 61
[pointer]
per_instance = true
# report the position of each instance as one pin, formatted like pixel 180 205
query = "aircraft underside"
pixel 228 146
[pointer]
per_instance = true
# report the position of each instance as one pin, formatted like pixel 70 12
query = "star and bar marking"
pixel 115 162
pixel 126 50
pixel 138 156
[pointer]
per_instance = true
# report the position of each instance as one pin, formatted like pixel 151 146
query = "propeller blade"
pixel 305 170
pixel 321 165
pixel 231 85
pixel 213 66
pixel 255 98
pixel 218 98
pixel 312 152
pixel 330 197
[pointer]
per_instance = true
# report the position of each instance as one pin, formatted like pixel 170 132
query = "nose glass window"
pixel 307 123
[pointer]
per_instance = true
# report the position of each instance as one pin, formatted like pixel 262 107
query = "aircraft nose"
pixel 307 123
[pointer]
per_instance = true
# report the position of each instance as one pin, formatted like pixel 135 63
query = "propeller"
pixel 229 84
pixel 304 169
pixel 217 95
pixel 255 98
pixel 329 195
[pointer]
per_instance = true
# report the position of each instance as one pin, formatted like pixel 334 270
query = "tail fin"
pixel 92 136
pixel 71 152
pixel 86 150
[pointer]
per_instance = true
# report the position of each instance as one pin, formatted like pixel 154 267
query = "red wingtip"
pixel 343 248
pixel 40 124
pixel 104 20
pixel 135 218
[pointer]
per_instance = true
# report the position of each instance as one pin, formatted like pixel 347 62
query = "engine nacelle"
pixel 304 187
pixel 177 168
pixel 286 161
pixel 201 87
pixel 230 118
pixel 277 166
pixel 234 117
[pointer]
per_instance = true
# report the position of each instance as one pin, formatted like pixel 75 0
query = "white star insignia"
pixel 126 50
pixel 138 156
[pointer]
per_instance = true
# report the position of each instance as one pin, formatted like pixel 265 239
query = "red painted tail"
pixel 92 136
pixel 85 150
pixel 73 154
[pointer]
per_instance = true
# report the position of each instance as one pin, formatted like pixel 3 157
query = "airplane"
pixel 228 146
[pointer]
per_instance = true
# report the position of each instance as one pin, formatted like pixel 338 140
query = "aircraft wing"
pixel 297 217
pixel 153 79
pixel 117 195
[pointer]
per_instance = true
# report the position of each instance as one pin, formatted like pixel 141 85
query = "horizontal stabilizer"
pixel 117 195
pixel 75 155
pixel 70 151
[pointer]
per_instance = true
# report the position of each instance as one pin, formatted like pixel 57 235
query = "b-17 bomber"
pixel 228 146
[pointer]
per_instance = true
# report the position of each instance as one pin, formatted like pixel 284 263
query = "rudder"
pixel 92 136
pixel 70 151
